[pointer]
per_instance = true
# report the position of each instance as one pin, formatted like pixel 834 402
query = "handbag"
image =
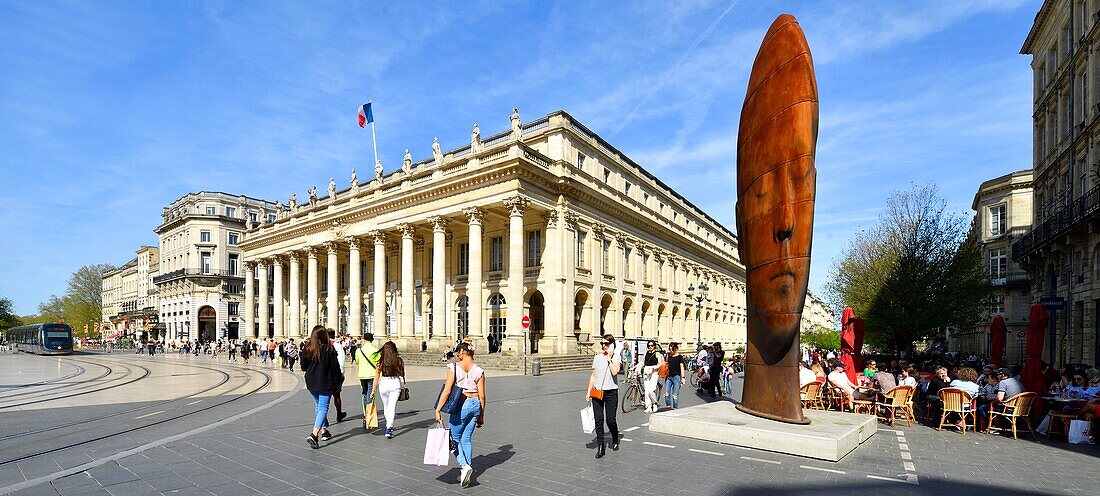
pixel 370 416
pixel 1079 432
pixel 436 450
pixel 595 393
pixel 456 399
pixel 404 392
pixel 588 419
pixel 662 371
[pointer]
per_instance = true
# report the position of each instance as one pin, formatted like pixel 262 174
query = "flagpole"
pixel 374 139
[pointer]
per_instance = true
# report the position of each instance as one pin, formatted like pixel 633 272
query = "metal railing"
pixel 1076 213
pixel 180 273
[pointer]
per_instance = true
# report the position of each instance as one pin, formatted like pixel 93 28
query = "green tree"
pixel 915 271
pixel 821 338
pixel 8 318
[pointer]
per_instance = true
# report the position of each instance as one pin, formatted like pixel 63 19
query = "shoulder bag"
pixel 596 393
pixel 456 399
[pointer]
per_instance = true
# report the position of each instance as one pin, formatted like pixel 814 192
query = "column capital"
pixel 621 238
pixel 551 217
pixel 418 242
pixel 439 223
pixel 332 247
pixel 378 236
pixel 249 266
pixel 516 205
pixel 474 215
pixel 570 219
pixel 353 242
pixel 598 230
pixel 311 252
pixel 407 230
pixel 293 257
pixel 276 260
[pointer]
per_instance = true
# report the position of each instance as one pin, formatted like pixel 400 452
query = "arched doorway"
pixel 579 302
pixel 644 320
pixel 628 305
pixel 342 320
pixel 498 323
pixel 538 312
pixel 605 306
pixel 463 320
pixel 208 323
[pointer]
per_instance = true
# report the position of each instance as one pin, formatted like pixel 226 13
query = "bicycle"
pixel 634 396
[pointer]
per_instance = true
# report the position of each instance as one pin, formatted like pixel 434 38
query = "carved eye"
pixel 784 234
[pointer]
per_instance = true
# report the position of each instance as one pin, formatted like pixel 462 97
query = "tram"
pixel 42 339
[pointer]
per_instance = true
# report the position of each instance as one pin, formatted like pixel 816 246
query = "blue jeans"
pixel 320 403
pixel 462 429
pixel 368 386
pixel 729 384
pixel 672 391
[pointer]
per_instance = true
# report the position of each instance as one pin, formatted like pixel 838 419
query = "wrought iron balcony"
pixel 182 273
pixel 1012 280
pixel 1061 222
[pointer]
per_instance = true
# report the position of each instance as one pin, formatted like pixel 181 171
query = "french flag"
pixel 365 115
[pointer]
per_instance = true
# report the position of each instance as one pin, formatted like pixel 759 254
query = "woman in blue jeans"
pixel 322 367
pixel 465 374
pixel 675 376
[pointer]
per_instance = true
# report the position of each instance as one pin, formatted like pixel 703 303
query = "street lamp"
pixel 699 298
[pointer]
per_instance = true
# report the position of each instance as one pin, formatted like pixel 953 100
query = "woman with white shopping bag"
pixel 647 368
pixel 603 392
pixel 469 379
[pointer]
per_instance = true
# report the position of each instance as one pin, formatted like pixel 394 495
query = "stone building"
pixel 201 281
pixel 1002 213
pixel 129 297
pixel 817 314
pixel 1062 251
pixel 546 220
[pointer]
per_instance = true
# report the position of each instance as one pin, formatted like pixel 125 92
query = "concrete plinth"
pixel 830 435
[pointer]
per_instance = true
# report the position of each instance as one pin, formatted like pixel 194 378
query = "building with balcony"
pixel 1061 253
pixel 201 280
pixel 130 298
pixel 1002 213
pixel 545 221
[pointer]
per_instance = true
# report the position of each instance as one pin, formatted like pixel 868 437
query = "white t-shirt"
pixel 805 376
pixel 840 380
pixel 605 380
pixel 339 347
pixel 908 381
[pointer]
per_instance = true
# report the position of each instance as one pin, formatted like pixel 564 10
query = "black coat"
pixel 321 375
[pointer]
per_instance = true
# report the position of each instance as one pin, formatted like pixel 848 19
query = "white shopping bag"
pixel 1079 432
pixel 588 419
pixel 1044 426
pixel 437 449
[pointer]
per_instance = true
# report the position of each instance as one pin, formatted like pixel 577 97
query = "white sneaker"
pixel 467 471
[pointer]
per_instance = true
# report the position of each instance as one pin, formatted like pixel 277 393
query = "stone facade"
pixel 546 220
pixel 129 297
pixel 201 282
pixel 1002 212
pixel 817 314
pixel 1061 254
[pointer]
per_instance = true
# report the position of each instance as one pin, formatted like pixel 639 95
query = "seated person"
pixel 885 381
pixel 907 377
pixel 1007 387
pixel 932 395
pixel 1077 387
pixel 966 381
pixel 805 376
pixel 819 371
pixel 987 392
pixel 840 380
pixel 1093 390
pixel 871 369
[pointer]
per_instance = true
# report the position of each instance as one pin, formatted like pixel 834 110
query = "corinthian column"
pixel 407 282
pixel 249 301
pixel 439 278
pixel 514 296
pixel 380 324
pixel 355 293
pixel 265 316
pixel 277 268
pixel 474 296
pixel 332 301
pixel 311 289
pixel 295 328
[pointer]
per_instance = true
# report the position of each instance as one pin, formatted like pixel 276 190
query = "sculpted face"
pixel 776 182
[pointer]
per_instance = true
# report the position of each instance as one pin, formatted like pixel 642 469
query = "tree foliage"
pixel 917 270
pixel 8 318
pixel 821 338
pixel 82 302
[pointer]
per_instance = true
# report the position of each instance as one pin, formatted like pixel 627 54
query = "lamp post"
pixel 699 298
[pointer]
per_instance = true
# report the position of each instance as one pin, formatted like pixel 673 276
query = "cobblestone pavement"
pixel 532 444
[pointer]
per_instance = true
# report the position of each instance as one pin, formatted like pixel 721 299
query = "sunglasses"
pixel 605 343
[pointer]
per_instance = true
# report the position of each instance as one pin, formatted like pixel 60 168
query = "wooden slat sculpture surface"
pixel 775 212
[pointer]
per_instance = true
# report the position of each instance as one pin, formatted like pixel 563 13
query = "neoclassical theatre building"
pixel 546 221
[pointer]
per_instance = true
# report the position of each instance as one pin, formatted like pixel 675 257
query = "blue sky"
pixel 112 110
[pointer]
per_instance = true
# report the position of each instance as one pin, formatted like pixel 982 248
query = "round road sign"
pixel 526 322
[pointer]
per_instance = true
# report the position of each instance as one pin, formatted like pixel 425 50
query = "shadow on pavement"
pixel 481 464
pixel 928 486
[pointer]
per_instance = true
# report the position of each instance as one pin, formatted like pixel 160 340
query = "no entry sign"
pixel 526 322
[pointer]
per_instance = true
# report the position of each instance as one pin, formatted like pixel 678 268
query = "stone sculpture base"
pixel 830 435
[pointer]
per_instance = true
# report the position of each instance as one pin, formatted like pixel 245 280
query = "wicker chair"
pixel 898 400
pixel 811 396
pixel 837 399
pixel 1016 408
pixel 958 402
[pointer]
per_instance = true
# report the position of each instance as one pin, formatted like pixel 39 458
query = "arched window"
pixel 463 320
pixel 498 322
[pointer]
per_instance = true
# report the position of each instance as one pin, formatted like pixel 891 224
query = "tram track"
pixel 129 371
pixel 17 393
pixel 225 378
pixel 15 387
pixel 267 378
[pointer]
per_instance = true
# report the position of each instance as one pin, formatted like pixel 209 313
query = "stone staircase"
pixel 497 361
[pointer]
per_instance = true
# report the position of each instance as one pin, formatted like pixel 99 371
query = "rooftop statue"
pixel 312 196
pixel 292 203
pixel 517 125
pixel 475 139
pixel 407 163
pixel 378 170
pixel 776 182
pixel 437 153
pixel 331 189
pixel 354 182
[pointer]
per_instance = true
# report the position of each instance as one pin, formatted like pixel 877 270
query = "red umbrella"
pixel 858 350
pixel 997 332
pixel 1032 375
pixel 848 342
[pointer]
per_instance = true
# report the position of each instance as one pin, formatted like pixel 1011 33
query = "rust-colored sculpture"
pixel 775 213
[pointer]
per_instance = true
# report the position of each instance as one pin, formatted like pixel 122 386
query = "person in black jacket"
pixel 321 367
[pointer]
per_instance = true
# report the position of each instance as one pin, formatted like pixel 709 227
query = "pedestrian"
pixel 246 350
pixel 291 354
pixel 232 350
pixel 648 371
pixel 675 377
pixel 366 357
pixel 388 382
pixel 727 376
pixel 271 350
pixel 605 381
pixel 319 363
pixel 214 349
pixel 716 357
pixel 338 345
pixel 152 347
pixel 468 376
pixel 261 346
